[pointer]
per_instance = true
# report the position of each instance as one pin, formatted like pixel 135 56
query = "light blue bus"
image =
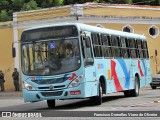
pixel 77 61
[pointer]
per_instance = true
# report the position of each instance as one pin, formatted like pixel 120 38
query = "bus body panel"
pixel 118 73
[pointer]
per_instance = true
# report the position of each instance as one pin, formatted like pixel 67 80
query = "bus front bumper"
pixel 69 93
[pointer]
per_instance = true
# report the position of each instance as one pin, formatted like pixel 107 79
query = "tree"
pixel 4 5
pixel 109 1
pixel 31 5
pixel 156 2
pixel 47 3
pixel 17 4
pixel 59 2
pixel 4 16
pixel 4 2
pixel 129 1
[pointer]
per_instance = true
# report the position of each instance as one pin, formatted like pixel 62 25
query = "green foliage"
pixel 7 7
pixel 18 3
pixel 4 16
pixel 31 5
pixel 156 2
pixel 10 12
pixel 129 1
pixel 96 1
pixel 59 2
pixel 4 2
pixel 110 1
pixel 47 3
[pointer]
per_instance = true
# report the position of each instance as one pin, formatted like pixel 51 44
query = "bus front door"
pixel 89 69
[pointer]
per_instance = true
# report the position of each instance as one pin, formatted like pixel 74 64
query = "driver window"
pixel 89 54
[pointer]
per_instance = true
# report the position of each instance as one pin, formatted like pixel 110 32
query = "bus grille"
pixel 48 94
pixel 54 87
pixel 50 81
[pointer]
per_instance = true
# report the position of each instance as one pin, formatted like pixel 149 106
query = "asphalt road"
pixel 148 100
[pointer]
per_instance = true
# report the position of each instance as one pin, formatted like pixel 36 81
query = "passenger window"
pixel 144 45
pixel 140 53
pixel 139 44
pixel 115 41
pixel 131 43
pixel 145 54
pixel 107 52
pixel 89 55
pixel 105 40
pixel 133 53
pixel 123 42
pixel 116 52
pixel 125 53
pixel 96 45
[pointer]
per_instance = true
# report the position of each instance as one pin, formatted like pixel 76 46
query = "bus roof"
pixel 85 27
pixel 110 31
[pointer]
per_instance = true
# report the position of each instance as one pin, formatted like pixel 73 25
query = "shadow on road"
pixel 83 103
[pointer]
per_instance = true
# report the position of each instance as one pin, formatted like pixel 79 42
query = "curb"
pixel 8 93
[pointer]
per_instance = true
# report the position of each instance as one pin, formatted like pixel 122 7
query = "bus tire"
pixel 153 87
pixel 98 99
pixel 135 91
pixel 127 93
pixel 51 103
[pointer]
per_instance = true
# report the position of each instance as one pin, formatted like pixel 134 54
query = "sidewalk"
pixel 11 93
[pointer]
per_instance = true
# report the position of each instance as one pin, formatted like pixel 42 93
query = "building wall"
pixel 27 19
pixel 6 60
pixel 43 14
pixel 120 11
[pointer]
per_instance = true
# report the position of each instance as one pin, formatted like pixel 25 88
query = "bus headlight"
pixel 28 86
pixel 76 81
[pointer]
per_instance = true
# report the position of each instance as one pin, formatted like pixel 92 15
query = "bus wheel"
pixel 153 87
pixel 98 99
pixel 51 103
pixel 127 93
pixel 135 91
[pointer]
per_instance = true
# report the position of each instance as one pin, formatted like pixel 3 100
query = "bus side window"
pixel 132 46
pixel 140 51
pixel 96 44
pixel 123 45
pixel 145 53
pixel 125 53
pixel 87 52
pixel 145 45
pixel 89 60
pixel 115 46
pixel 145 49
pixel 133 53
pixel 106 49
pixel 115 40
pixel 105 40
pixel 107 52
pixel 82 47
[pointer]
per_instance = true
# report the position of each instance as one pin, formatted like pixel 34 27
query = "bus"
pixel 78 61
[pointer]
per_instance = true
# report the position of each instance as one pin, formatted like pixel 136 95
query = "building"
pixel 143 20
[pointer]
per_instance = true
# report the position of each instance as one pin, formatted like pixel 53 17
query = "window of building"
pixel 128 28
pixel 153 31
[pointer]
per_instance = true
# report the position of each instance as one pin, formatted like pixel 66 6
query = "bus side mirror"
pixel 13 52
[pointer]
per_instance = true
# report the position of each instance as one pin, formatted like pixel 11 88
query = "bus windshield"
pixel 50 57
